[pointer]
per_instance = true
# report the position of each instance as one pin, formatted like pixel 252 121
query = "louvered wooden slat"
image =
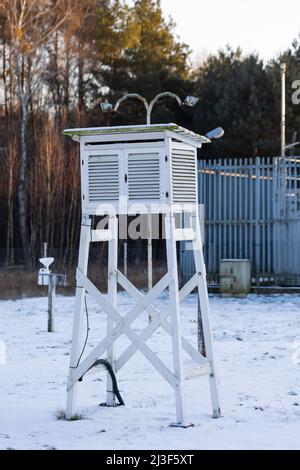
pixel 143 176
pixel 103 174
pixel 183 176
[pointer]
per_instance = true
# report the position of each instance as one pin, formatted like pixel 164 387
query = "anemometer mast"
pixel 141 170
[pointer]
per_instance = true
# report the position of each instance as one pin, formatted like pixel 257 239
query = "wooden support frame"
pixel 169 319
pixel 205 315
pixel 85 235
pixel 112 295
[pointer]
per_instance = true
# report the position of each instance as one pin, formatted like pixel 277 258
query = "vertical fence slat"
pixel 269 215
pixel 241 209
pixel 251 209
pixel 205 210
pixel 210 218
pixel 246 214
pixel 257 217
pixel 230 253
pixel 225 206
pixel 220 212
pixel 275 216
pixel 215 217
pixel 263 216
pixel 234 221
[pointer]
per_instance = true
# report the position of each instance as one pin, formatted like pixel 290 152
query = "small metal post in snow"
pixel 47 278
pixel 51 303
pixel 51 294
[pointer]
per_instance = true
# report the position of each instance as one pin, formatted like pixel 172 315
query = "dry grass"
pixel 17 282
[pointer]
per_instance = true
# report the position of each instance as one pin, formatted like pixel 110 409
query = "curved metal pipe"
pixel 158 97
pixel 131 95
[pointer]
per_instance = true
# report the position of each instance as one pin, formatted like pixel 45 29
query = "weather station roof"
pixel 173 130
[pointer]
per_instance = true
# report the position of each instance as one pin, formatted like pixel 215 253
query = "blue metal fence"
pixel 251 211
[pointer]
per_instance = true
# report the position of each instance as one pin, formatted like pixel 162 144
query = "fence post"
pixel 284 198
pixel 257 219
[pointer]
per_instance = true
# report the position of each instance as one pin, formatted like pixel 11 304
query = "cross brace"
pixel 123 327
pixel 119 325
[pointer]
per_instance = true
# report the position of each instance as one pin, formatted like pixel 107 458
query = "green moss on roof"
pixel 135 130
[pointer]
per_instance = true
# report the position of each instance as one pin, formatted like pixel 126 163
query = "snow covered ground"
pixel 257 362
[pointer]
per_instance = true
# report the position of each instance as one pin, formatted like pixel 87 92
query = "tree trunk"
pixel 81 84
pixel 22 189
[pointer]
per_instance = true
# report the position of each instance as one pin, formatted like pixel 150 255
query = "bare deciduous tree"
pixel 30 24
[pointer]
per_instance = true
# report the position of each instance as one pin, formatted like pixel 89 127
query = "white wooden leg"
pixel 205 312
pixel 112 295
pixel 85 237
pixel 150 267
pixel 175 318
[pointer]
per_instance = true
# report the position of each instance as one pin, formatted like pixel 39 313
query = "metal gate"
pixel 251 211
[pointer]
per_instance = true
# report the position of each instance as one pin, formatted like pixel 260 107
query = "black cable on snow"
pixel 109 369
pixel 103 362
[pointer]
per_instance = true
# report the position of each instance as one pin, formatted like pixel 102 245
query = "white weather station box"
pixel 150 169
pixel 136 168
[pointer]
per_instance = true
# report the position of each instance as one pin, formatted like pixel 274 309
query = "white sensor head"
pixel 191 101
pixel 106 107
pixel 46 262
pixel 215 134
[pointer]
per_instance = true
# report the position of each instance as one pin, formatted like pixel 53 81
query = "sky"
pixel 263 26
